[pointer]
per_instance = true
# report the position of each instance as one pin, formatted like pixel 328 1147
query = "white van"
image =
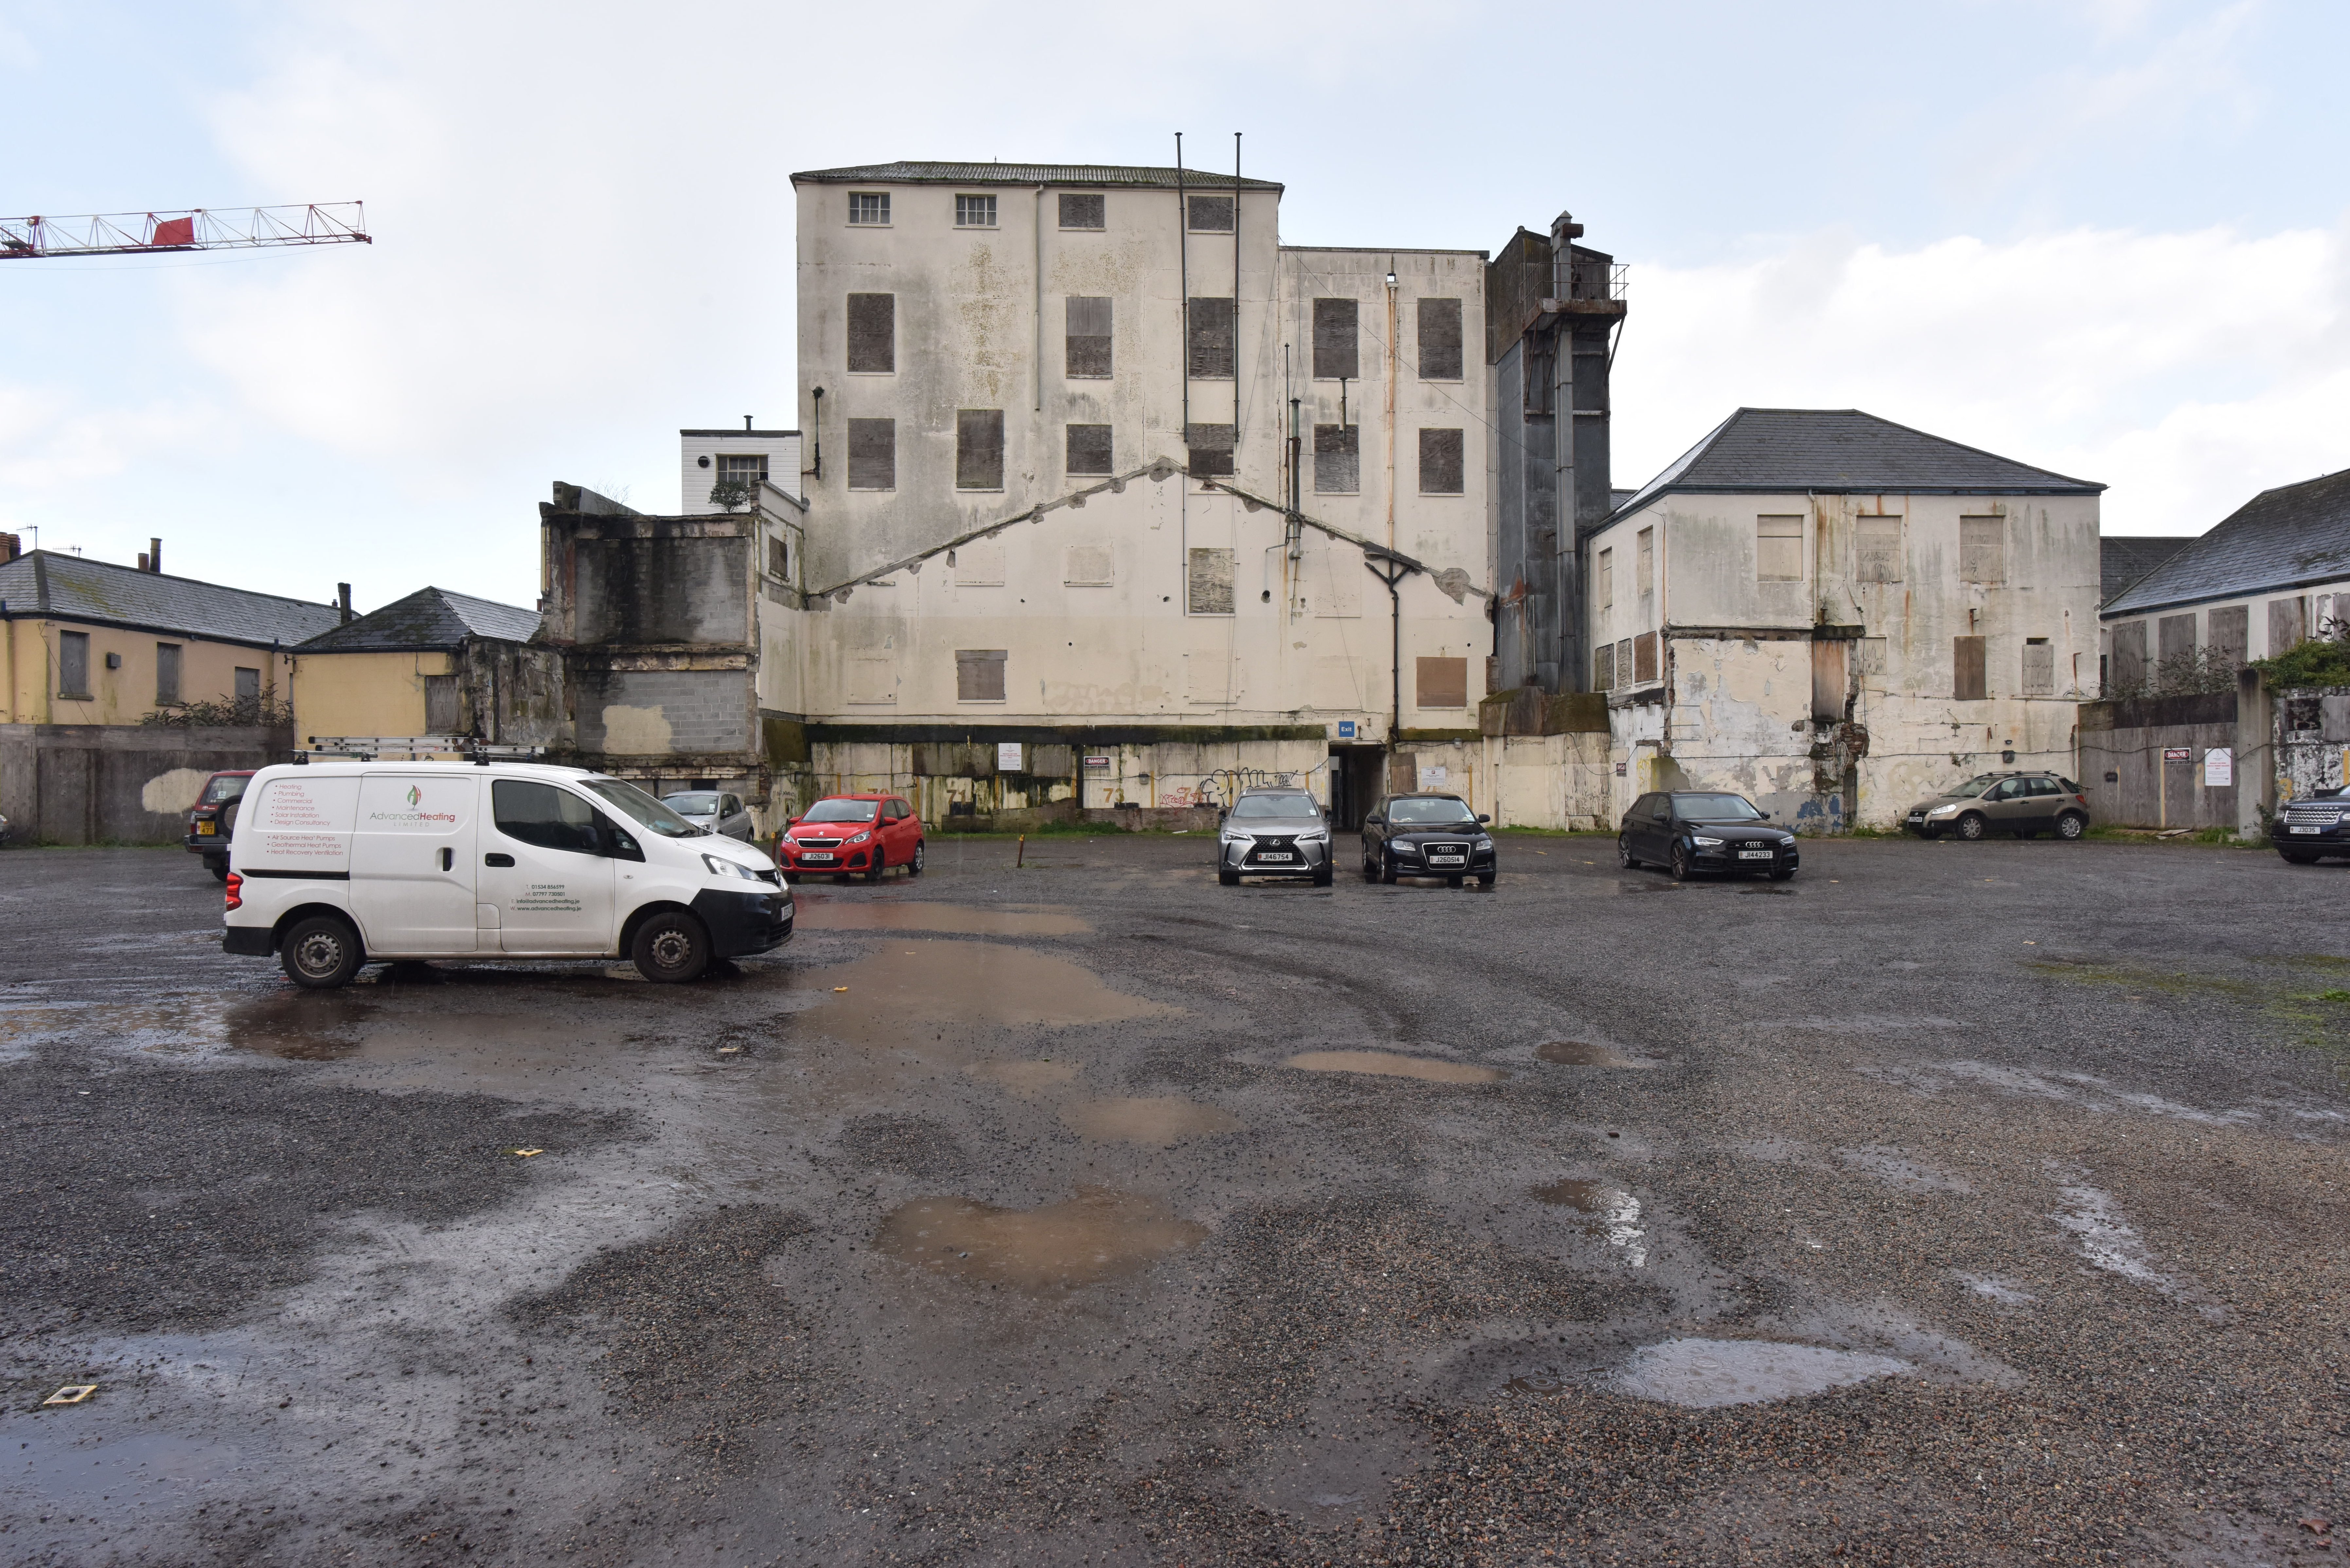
pixel 340 863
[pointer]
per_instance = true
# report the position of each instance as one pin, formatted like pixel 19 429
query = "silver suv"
pixel 2024 804
pixel 1273 833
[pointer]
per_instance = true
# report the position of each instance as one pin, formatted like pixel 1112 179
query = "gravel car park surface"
pixel 1953 1203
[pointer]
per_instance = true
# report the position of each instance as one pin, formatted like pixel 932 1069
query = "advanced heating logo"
pixel 414 794
pixel 414 815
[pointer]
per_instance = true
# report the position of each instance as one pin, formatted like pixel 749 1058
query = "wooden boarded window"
pixel 1440 463
pixel 1603 668
pixel 1643 657
pixel 2039 666
pixel 1646 581
pixel 872 333
pixel 872 454
pixel 1828 664
pixel 1086 351
pixel 444 712
pixel 1089 449
pixel 1211 352
pixel 779 557
pixel 1982 549
pixel 2174 637
pixel 1088 566
pixel 2288 625
pixel 1624 661
pixel 1210 449
pixel 1211 214
pixel 1440 340
pixel 2229 632
pixel 1779 548
pixel 1208 589
pixel 167 674
pixel 1082 213
pixel 1607 579
pixel 1336 344
pixel 1968 680
pixel 1876 550
pixel 979 449
pixel 1337 460
pixel 1443 683
pixel 2127 671
pixel 979 675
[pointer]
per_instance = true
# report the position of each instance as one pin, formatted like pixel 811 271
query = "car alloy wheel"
pixel 1624 856
pixel 1680 863
pixel 2071 825
pixel 914 866
pixel 1972 826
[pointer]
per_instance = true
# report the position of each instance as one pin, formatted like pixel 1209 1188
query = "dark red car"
pixel 866 834
pixel 213 819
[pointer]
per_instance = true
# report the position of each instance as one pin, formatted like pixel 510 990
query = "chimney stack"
pixel 142 561
pixel 343 601
pixel 154 555
pixel 11 546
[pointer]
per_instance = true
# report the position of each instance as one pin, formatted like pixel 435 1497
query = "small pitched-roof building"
pixel 434 663
pixel 1834 615
pixel 2275 572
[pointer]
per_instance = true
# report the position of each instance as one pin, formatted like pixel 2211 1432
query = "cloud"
pixel 2187 370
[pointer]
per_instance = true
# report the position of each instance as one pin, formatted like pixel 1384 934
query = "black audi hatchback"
pixel 1428 835
pixel 1687 831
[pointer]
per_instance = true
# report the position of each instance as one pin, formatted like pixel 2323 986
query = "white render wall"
pixel 780 448
pixel 2311 608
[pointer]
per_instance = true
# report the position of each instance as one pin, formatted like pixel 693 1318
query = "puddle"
pixel 2005 1291
pixel 1581 1054
pixel 1096 1235
pixel 1892 1166
pixel 2112 1243
pixel 1701 1374
pixel 1159 1122
pixel 1614 1214
pixel 1025 1077
pixel 907 993
pixel 137 1470
pixel 818 914
pixel 1389 1065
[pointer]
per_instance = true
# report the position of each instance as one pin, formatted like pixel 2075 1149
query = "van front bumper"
pixel 742 923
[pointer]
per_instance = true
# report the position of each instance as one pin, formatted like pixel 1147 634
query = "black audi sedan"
pixel 1687 831
pixel 1428 835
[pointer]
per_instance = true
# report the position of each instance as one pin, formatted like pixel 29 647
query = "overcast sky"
pixel 2104 236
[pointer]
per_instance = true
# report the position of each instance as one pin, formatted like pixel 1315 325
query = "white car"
pixel 341 863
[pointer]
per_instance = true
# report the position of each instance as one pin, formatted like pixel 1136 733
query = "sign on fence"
pixel 2178 754
pixel 2219 768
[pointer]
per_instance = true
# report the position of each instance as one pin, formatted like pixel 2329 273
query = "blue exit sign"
pixel 1346 729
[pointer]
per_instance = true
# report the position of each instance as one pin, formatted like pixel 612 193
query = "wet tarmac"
pixel 1977 1204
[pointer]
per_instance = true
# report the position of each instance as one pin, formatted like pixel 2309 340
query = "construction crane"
pixel 196 229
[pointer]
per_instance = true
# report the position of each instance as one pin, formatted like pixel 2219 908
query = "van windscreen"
pixel 642 808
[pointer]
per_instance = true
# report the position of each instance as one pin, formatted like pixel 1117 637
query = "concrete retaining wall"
pixel 117 784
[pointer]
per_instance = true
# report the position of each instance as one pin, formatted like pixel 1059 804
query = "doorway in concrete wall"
pixel 1356 784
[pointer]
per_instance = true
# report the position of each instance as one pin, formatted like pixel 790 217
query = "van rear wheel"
pixel 320 952
pixel 671 947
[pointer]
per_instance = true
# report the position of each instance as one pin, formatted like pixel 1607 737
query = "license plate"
pixel 1285 859
pixel 2308 830
pixel 1754 855
pixel 1448 859
pixel 204 827
pixel 806 856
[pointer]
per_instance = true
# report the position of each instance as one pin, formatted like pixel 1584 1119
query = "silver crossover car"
pixel 1273 833
pixel 718 811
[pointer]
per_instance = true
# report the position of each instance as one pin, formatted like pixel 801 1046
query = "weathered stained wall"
pixel 87 783
pixel 29 672
pixel 363 693
pixel 2131 784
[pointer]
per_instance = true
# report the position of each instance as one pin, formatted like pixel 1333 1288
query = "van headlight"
pixel 731 868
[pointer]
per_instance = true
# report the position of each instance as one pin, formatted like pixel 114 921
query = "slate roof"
pixel 1843 451
pixel 100 593
pixel 920 173
pixel 2292 537
pixel 2124 560
pixel 429 620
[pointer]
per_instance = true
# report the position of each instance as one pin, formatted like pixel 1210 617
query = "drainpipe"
pixel 1392 372
pixel 1039 377
pixel 1183 286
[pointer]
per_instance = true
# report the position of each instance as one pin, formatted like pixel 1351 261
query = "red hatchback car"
pixel 846 833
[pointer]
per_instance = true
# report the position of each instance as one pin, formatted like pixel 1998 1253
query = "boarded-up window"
pixel 248 687
pixel 1440 339
pixel 872 454
pixel 73 664
pixel 1089 449
pixel 2126 671
pixel 2288 625
pixel 1607 579
pixel 979 566
pixel 1209 587
pixel 2229 633
pixel 1337 460
pixel 1876 550
pixel 1082 211
pixel 779 557
pixel 1336 355
pixel 979 675
pixel 1779 548
pixel 1087 353
pixel 1334 580
pixel 1211 214
pixel 1624 661
pixel 1982 549
pixel 872 678
pixel 2174 637
pixel 1969 682
pixel 979 449
pixel 1210 449
pixel 1646 581
pixel 872 332
pixel 167 673
pixel 1643 657
pixel 1830 660
pixel 1443 683
pixel 1440 463
pixel 1603 668
pixel 443 705
pixel 1211 354
pixel 1088 566
pixel 2039 666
